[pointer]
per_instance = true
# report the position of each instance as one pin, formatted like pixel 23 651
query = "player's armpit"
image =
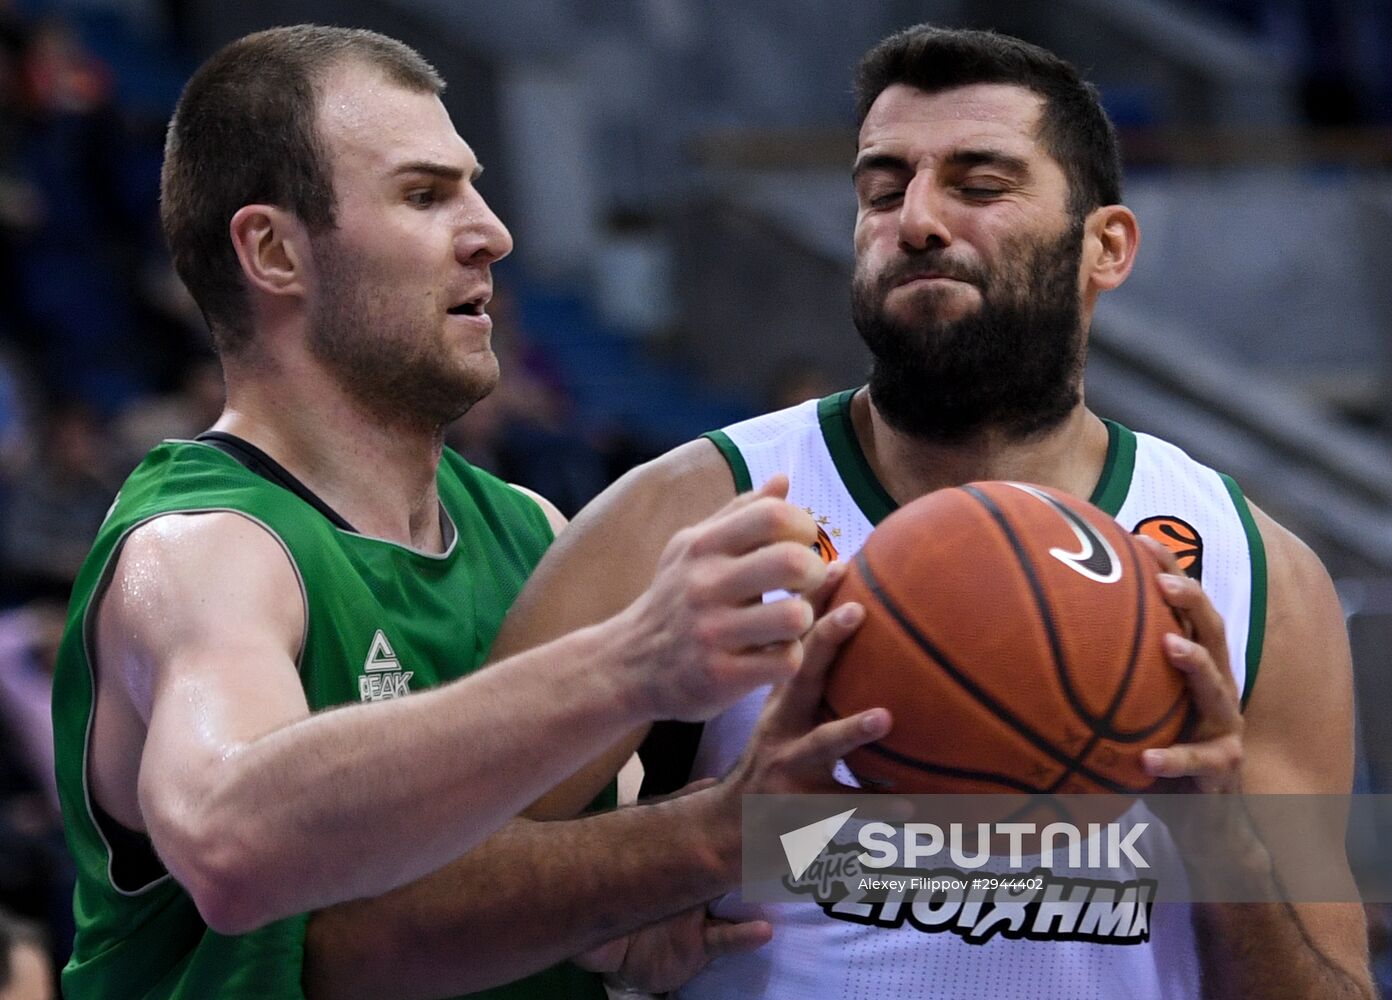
pixel 600 564
pixel 1298 738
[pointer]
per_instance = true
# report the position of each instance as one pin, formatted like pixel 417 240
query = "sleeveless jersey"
pixel 1146 483
pixel 382 620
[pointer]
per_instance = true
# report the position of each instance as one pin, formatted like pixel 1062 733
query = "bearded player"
pixel 989 221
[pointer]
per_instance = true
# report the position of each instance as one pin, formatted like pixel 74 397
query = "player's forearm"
pixel 357 801
pixel 532 895
pixel 1263 950
pixel 572 796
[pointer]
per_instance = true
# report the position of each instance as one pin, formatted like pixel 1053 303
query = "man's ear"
pixel 270 244
pixel 1110 238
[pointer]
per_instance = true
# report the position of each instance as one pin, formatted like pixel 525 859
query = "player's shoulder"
pixel 1152 450
pixel 682 485
pixel 201 559
pixel 802 418
pixel 200 579
pixel 1294 567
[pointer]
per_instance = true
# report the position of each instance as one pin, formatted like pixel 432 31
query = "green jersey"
pixel 382 620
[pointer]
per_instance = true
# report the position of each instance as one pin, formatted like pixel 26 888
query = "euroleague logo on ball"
pixel 1180 537
pixel 823 547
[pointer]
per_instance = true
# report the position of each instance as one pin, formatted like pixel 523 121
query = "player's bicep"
pixel 1299 720
pixel 606 557
pixel 603 561
pixel 201 625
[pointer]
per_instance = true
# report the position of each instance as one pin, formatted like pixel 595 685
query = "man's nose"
pixel 482 237
pixel 921 218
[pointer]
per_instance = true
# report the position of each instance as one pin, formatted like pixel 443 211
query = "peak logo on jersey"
pixel 823 547
pixel 383 677
pixel 1180 537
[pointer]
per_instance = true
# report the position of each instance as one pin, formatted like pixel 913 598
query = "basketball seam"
pixel 1101 726
pixel 1046 612
pixel 829 711
pixel 1112 732
pixel 1004 714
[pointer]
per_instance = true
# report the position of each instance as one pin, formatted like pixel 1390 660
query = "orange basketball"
pixel 1015 634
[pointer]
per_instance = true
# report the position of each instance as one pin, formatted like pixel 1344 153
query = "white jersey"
pixel 1147 485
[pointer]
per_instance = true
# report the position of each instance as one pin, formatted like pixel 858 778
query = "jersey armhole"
pixel 1256 549
pixel 544 507
pixel 738 468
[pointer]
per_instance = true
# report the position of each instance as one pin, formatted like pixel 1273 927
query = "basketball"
pixel 1015 633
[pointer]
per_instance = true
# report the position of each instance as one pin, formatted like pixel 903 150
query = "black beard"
pixel 1015 365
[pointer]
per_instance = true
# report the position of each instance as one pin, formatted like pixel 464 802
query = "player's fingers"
pixel 819 750
pixel 800 699
pixel 775 486
pixel 1186 596
pixel 1214 763
pixel 820 598
pixel 789 566
pixel 757 522
pixel 1166 558
pixel 1214 693
pixel 758 625
pixel 1168 564
pixel 776 663
pixel 699 784
pixel 723 937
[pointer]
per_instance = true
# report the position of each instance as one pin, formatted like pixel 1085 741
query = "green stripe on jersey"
pixel 738 468
pixel 1256 625
pixel 1117 469
pixel 834 413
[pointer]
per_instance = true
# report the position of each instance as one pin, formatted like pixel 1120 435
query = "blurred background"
pixel 676 174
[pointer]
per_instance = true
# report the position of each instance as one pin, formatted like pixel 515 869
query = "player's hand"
pixel 1212 760
pixel 700 636
pixel 664 955
pixel 788 751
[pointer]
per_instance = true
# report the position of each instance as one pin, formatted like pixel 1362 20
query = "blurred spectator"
pixel 1342 48
pixel 36 875
pixel 523 432
pixel 24 969
pixel 179 415
pixel 21 207
pixel 797 381
pixel 58 503
pixel 75 268
pixel 14 419
pixel 29 638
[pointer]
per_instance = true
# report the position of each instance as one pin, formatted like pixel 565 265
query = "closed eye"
pixel 884 198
